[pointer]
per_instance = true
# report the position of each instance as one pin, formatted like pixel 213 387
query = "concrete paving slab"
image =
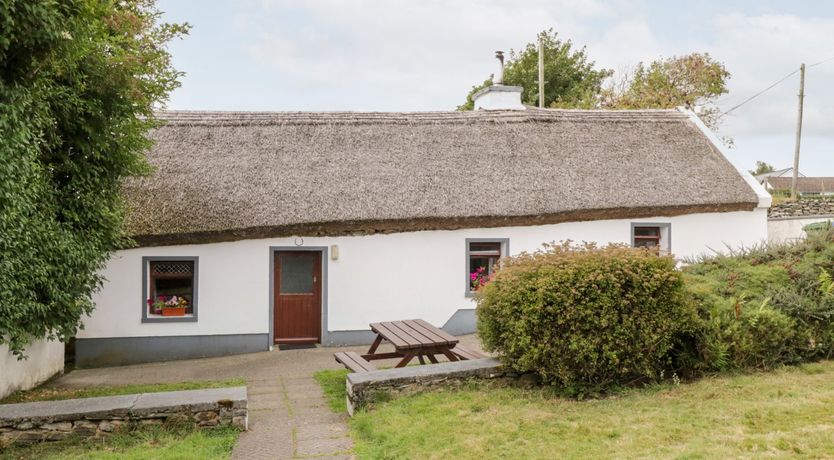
pixel 321 430
pixel 323 446
pixel 283 396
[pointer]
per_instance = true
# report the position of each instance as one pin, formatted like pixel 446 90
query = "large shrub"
pixel 79 83
pixel 764 306
pixel 585 318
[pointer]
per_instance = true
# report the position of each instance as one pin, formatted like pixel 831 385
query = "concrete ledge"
pixel 825 216
pixel 93 417
pixel 363 389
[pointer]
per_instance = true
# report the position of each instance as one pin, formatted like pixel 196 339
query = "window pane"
pixel 297 273
pixel 172 268
pixel 647 231
pixel 645 242
pixel 485 248
pixel 180 287
pixel 486 263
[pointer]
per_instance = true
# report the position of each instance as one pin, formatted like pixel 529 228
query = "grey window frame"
pixel 146 262
pixel 661 225
pixel 505 251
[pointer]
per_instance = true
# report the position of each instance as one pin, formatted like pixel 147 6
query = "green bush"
pixel 764 306
pixel 585 318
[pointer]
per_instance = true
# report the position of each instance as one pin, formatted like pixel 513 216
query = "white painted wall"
pixel 789 229
pixel 499 97
pixel 376 278
pixel 45 359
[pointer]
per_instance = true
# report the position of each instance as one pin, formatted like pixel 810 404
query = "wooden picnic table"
pixel 412 338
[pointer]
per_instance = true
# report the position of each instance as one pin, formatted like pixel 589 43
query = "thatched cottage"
pixel 293 228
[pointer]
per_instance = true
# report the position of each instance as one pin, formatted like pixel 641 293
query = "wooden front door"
pixel 297 297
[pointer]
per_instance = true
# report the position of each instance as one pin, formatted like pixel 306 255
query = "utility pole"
pixel 541 72
pixel 798 130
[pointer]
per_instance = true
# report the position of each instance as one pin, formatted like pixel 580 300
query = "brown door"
pixel 297 297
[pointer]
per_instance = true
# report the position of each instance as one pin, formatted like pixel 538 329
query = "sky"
pixel 408 55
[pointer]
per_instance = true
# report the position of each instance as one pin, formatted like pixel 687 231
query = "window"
pixel 651 236
pixel 170 280
pixel 481 259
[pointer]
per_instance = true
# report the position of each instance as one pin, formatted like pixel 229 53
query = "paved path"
pixel 288 414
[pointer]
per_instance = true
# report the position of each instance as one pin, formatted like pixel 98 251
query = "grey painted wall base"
pixel 347 338
pixel 119 351
pixel 462 322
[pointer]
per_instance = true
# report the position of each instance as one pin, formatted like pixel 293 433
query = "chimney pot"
pixel 498 79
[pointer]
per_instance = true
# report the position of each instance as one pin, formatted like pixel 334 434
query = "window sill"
pixel 469 294
pixel 152 318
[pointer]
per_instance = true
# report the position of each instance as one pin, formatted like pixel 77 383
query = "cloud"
pixel 759 50
pixel 416 55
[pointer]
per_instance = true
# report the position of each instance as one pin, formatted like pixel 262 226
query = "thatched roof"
pixel 233 175
pixel 803 184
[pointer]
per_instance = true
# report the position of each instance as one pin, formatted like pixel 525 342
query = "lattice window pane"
pixel 185 267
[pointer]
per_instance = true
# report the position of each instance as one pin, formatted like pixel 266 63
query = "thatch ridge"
pixel 222 175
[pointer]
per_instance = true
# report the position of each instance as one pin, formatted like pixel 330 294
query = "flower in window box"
pixel 478 278
pixel 169 306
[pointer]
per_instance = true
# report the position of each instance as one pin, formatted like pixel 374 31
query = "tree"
pixel 79 82
pixel 761 168
pixel 695 81
pixel 570 78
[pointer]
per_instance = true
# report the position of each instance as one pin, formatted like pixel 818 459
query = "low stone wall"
pixel 363 389
pixel 92 417
pixel 802 208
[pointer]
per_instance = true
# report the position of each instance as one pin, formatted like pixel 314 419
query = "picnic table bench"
pixel 354 362
pixel 414 338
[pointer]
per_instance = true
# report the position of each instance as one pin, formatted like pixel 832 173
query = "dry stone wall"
pixel 363 389
pixel 802 208
pixel 94 417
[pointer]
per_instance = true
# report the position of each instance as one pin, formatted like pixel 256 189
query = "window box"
pixel 175 311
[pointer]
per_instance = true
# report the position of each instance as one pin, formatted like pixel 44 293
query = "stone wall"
pixel 801 208
pixel 94 417
pixel 363 389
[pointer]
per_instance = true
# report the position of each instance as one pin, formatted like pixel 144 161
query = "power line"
pixel 821 62
pixel 760 92
pixel 771 86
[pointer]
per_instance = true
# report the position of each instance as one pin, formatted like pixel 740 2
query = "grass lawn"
pixel 332 382
pixel 47 393
pixel 152 442
pixel 785 413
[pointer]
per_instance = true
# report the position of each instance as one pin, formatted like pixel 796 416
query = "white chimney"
pixel 498 96
pixel 498 79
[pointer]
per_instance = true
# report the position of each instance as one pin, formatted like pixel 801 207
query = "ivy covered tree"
pixel 571 81
pixel 79 82
pixel 695 80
